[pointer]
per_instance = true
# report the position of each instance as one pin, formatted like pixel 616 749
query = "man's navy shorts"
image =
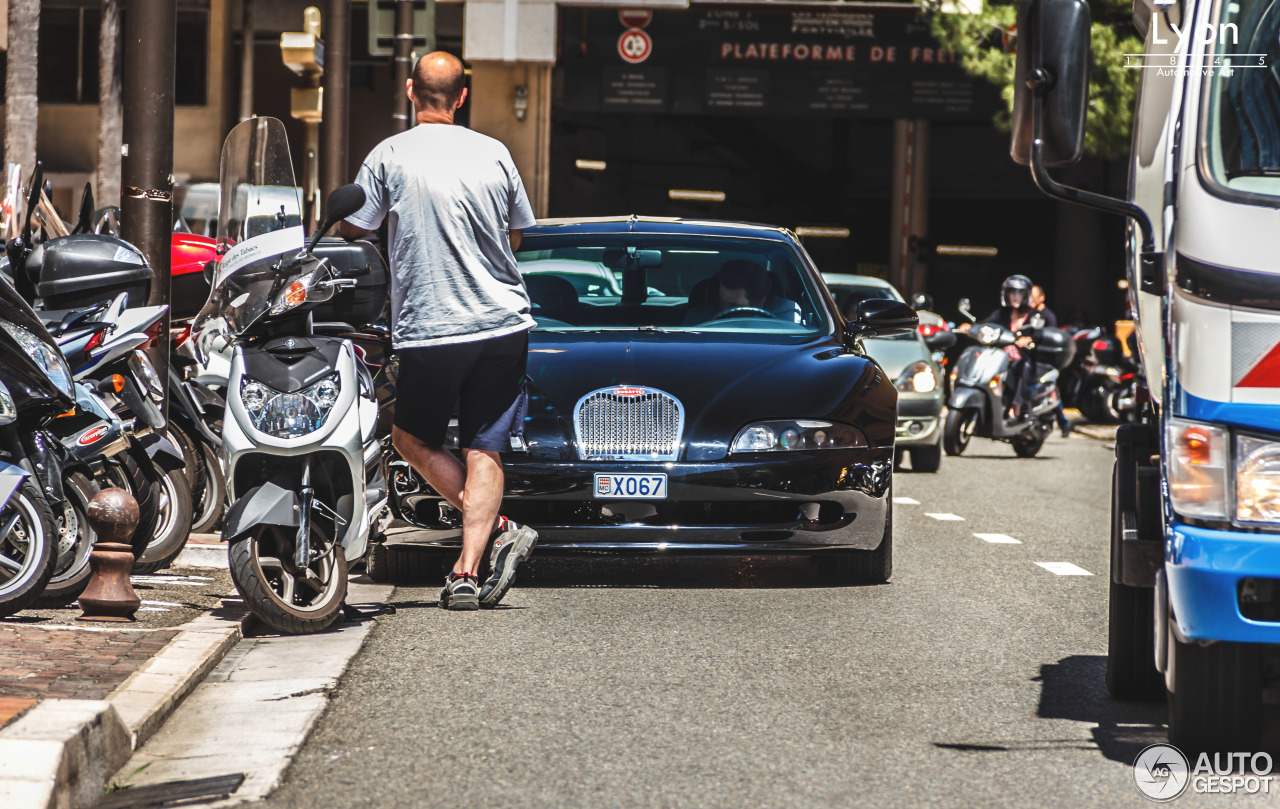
pixel 483 382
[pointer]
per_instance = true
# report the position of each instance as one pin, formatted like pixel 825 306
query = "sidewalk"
pixel 77 697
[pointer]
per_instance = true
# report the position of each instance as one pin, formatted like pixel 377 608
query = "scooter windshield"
pixel 260 234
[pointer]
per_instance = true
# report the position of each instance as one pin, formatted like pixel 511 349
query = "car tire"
pixel 1216 701
pixel 398 564
pixel 862 567
pixel 926 459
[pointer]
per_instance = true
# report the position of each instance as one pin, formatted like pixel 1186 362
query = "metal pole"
pixel 246 61
pixel 404 64
pixel 337 59
pixel 150 30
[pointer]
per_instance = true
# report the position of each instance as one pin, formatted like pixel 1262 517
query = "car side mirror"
pixel 1053 64
pixel 882 317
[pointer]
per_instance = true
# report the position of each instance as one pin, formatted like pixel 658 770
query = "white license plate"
pixel 631 487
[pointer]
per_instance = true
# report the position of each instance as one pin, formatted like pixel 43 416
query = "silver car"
pixel 907 361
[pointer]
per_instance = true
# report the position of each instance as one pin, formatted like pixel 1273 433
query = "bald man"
pixel 455 207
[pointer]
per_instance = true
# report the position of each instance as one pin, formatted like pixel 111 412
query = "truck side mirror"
pixel 1053 63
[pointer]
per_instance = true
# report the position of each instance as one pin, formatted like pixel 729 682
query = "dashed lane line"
pixel 905 501
pixel 998 539
pixel 944 516
pixel 1064 569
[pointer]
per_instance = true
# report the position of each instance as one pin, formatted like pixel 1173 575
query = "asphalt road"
pixel 974 679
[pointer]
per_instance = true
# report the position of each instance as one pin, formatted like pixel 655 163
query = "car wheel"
pixel 926 459
pixel 1216 701
pixel 398 564
pixel 862 567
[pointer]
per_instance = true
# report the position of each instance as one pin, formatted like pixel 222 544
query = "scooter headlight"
pixel 289 415
pixel 49 359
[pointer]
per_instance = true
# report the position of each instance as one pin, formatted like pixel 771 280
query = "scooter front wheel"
pixel 290 600
pixel 958 430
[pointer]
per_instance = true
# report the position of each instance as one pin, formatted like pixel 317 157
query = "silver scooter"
pixel 302 459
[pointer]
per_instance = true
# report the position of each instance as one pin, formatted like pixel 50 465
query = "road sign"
pixel 635 17
pixel 382 27
pixel 634 45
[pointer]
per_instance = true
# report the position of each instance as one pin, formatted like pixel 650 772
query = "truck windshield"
pixel 1241 124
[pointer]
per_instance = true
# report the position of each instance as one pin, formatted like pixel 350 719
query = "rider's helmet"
pixel 922 301
pixel 1015 283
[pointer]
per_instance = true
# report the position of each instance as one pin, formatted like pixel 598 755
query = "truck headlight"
pixel 918 378
pixel 1257 480
pixel 289 415
pixel 1197 473
pixel 781 436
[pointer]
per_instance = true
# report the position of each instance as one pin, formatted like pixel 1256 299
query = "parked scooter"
pixel 982 387
pixel 302 457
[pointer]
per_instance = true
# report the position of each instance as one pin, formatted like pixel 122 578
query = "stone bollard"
pixel 113 514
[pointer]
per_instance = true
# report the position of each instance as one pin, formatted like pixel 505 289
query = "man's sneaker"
pixel 461 592
pixel 512 546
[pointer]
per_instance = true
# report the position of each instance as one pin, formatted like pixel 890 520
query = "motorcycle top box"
pixel 87 268
pixel 1054 347
pixel 364 301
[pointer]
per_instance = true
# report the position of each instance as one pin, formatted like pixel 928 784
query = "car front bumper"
pixel 919 420
pixel 799 502
pixel 1205 568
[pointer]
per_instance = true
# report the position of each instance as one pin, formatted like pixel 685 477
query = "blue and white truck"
pixel 1195 529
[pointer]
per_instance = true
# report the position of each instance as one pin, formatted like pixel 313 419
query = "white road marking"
pixel 998 539
pixel 160 603
pixel 944 517
pixel 905 501
pixel 1064 569
pixel 153 609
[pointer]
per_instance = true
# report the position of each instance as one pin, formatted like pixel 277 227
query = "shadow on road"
pixel 1075 688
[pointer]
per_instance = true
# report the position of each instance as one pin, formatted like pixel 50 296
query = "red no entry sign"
pixel 635 17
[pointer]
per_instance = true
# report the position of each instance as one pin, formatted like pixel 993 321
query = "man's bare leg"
pixel 474 489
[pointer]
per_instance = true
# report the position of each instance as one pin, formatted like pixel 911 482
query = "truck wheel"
pixel 1216 701
pixel 926 459
pixel 958 430
pixel 1131 668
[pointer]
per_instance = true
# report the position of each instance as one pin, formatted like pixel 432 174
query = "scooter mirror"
pixel 343 201
pixel 963 306
pixel 209 269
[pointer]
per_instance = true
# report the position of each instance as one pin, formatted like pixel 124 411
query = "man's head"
pixel 743 283
pixel 438 84
pixel 1037 297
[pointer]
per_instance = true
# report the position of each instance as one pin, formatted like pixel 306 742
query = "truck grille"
pixel 629 424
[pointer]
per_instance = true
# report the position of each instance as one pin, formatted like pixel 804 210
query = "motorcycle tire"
pixel 958 429
pixel 29 544
pixel 173 523
pixel 271 591
pixel 71 571
pixel 926 459
pixel 1028 444
pixel 210 506
pixel 192 461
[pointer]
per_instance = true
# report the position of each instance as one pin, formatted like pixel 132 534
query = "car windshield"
pixel 633 281
pixel 1241 125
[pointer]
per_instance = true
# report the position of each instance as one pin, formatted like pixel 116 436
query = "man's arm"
pixel 350 232
pixel 515 236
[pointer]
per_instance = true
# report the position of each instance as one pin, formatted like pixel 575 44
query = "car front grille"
pixel 629 424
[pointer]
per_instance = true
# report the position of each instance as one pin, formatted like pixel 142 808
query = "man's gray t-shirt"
pixel 449 195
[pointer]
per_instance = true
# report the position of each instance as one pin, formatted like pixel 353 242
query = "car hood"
pixel 895 355
pixel 722 383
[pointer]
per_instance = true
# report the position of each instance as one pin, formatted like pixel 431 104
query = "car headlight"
pixel 1257 480
pixel 782 436
pixel 1197 473
pixel 289 415
pixel 48 358
pixel 146 375
pixel 918 378
pixel 8 411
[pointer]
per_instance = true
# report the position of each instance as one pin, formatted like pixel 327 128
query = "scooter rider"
pixel 456 207
pixel 1014 313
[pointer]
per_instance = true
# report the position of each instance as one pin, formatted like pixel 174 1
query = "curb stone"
pixel 61 752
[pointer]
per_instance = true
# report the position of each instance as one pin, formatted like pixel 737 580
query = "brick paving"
pixel 36 663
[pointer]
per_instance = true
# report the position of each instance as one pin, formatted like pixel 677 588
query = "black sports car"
pixel 693 387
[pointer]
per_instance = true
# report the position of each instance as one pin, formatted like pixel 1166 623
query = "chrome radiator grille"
pixel 630 424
